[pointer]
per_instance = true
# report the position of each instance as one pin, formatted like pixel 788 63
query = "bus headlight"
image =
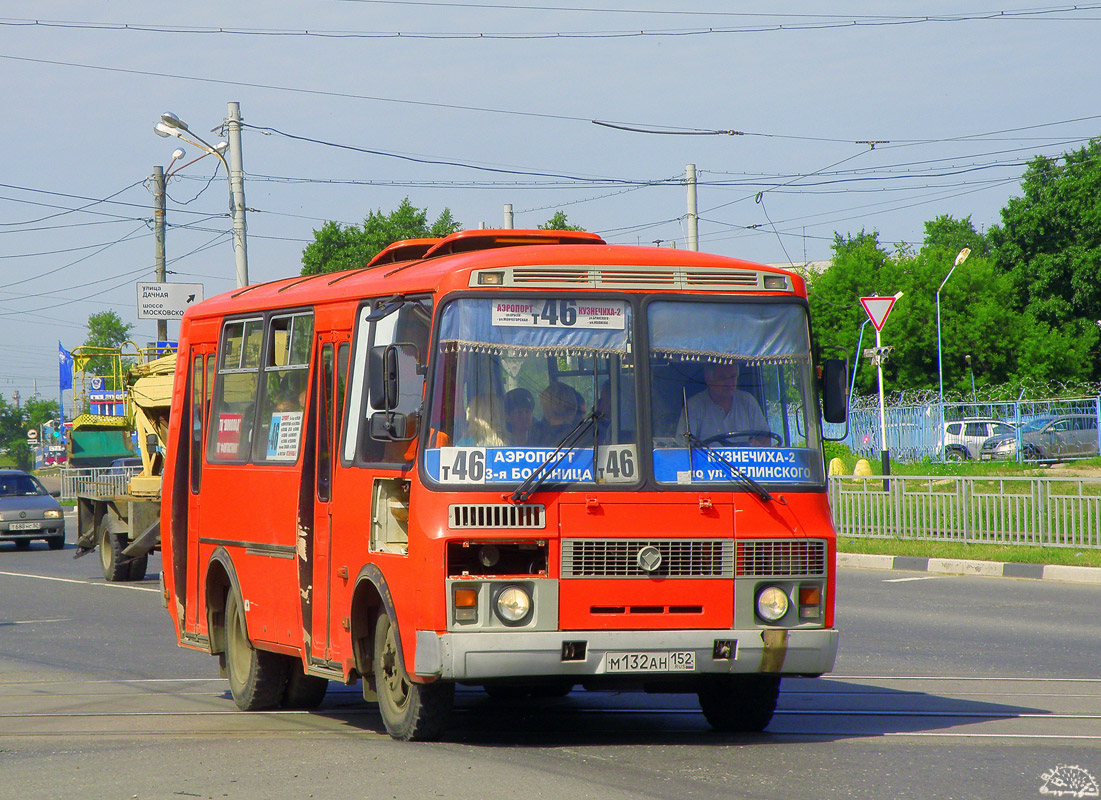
pixel 772 603
pixel 513 605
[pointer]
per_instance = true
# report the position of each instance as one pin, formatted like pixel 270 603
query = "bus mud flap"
pixel 775 649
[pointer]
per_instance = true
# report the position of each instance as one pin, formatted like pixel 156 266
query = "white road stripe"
pixel 907 580
pixel 86 583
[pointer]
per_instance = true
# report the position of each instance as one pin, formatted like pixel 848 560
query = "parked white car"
pixel 962 440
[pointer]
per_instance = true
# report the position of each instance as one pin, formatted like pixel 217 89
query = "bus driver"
pixel 723 408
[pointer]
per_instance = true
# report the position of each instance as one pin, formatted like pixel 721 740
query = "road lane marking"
pixel 907 580
pixel 86 583
pixel 36 621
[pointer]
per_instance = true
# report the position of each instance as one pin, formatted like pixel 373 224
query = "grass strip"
pixel 1022 554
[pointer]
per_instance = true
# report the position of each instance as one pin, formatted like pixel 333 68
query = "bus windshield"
pixel 516 384
pixel 732 392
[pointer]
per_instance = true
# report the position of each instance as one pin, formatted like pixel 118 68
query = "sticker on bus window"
pixel 283 435
pixel 475 466
pixel 228 441
pixel 560 313
pixel 762 464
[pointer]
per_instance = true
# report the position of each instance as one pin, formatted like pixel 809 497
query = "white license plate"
pixel 24 526
pixel 651 661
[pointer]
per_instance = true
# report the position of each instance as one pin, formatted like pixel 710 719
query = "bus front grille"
pixel 620 558
pixel 496 515
pixel 780 557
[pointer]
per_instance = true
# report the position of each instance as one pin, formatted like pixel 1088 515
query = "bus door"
pixel 329 377
pixel 202 383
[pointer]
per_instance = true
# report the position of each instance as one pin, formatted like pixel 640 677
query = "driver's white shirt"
pixel 708 418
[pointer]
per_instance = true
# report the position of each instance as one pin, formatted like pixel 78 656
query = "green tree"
pixel 106 331
pixel 946 233
pixel 559 222
pixel 16 421
pixel 337 247
pixel 1049 241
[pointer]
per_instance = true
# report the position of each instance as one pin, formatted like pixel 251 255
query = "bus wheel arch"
pixel 221 580
pixel 370 599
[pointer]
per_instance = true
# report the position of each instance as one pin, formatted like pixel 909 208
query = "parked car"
pixel 962 440
pixel 124 466
pixel 28 511
pixel 1048 438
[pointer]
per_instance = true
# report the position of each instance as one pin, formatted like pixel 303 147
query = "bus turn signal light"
pixel 466 605
pixel 810 602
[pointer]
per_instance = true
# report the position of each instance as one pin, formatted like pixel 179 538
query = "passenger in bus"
pixel 519 417
pixel 292 393
pixel 723 408
pixel 560 407
pixel 485 422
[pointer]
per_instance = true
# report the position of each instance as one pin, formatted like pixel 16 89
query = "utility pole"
pixel 693 215
pixel 237 192
pixel 508 215
pixel 158 240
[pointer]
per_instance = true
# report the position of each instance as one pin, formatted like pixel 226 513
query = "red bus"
pixel 521 460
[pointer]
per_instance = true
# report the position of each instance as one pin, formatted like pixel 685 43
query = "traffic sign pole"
pixel 878 309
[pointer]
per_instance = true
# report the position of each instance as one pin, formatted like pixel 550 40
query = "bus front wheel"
pixel 257 678
pixel 740 703
pixel 410 711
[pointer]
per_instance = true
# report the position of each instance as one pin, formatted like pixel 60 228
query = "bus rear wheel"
pixel 739 703
pixel 304 692
pixel 410 711
pixel 257 678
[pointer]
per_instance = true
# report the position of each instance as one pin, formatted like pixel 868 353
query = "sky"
pixel 801 124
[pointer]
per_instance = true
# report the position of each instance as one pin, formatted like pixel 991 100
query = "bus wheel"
pixel 303 691
pixel 257 678
pixel 114 563
pixel 410 711
pixel 739 703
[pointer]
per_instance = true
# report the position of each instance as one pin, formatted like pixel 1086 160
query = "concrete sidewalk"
pixel 959 566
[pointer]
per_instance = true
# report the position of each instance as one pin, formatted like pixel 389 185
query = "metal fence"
pixel 914 431
pixel 102 481
pixel 1053 512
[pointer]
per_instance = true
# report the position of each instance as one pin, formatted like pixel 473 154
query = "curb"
pixel 958 566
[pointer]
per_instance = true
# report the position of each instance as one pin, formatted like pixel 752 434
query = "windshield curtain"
pixel 734 389
pixel 516 378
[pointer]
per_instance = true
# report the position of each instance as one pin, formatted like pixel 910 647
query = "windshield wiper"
pixel 695 441
pixel 757 488
pixel 540 474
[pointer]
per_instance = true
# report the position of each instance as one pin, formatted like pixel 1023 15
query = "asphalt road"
pixel 945 687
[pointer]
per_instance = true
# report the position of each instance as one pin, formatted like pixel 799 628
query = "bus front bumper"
pixel 659 654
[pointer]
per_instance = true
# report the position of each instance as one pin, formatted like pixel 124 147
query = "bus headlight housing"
pixel 513 605
pixel 772 604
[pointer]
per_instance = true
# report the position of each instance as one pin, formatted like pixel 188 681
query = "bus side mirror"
pixel 388 426
pixel 384 377
pixel 835 387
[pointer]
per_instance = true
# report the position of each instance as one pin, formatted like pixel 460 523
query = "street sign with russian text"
pixel 167 300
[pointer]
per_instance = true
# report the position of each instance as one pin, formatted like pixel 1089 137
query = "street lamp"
pixel 971 369
pixel 960 258
pixel 171 125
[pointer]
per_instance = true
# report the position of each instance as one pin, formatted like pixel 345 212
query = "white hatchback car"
pixel 963 439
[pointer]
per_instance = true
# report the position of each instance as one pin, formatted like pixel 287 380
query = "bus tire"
pixel 257 678
pixel 304 692
pixel 111 560
pixel 739 703
pixel 410 711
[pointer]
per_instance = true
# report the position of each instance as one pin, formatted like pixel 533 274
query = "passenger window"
pixel 975 429
pixel 232 418
pixel 284 389
pixel 954 429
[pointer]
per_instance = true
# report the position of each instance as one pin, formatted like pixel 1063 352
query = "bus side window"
pixel 323 398
pixel 196 454
pixel 229 428
pixel 283 389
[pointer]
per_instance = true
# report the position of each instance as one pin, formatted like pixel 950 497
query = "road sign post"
pixel 878 309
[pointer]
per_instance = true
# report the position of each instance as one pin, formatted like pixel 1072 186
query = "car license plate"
pixel 656 661
pixel 24 526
